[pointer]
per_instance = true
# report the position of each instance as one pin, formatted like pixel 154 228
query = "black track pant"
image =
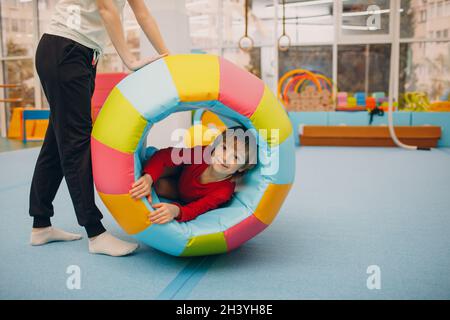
pixel 67 76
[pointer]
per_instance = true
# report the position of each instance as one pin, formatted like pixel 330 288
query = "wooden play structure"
pixel 369 136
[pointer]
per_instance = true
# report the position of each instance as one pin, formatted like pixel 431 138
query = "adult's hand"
pixel 137 64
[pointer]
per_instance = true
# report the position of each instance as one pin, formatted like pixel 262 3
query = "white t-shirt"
pixel 80 21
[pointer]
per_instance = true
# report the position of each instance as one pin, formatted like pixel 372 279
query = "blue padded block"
pixel 36 114
pixel 400 119
pixel 360 98
pixel 348 118
pixel 363 118
pixel 441 119
pixel 312 118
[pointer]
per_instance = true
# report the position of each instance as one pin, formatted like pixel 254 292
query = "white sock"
pixel 106 243
pixel 50 234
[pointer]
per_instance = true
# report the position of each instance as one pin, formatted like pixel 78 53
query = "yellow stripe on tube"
pixel 272 117
pixel 207 244
pixel 271 202
pixel 119 125
pixel 196 77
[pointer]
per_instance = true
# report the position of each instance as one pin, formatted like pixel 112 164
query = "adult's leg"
pixel 48 173
pixel 74 81
pixel 67 77
pixel 46 180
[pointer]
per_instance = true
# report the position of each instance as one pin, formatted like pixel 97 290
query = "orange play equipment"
pixel 35 129
pixel 295 92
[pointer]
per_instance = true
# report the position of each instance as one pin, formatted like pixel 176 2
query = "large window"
pixel 424 52
pixel 216 26
pixel 425 68
pixel 364 68
pixel 16 28
pixel 362 16
pixel 260 22
pixel 260 19
pixel 425 19
pixel 314 58
pixel 203 22
pixel 347 41
pixel 307 21
pixel 16 50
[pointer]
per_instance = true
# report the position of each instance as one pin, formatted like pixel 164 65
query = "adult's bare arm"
pixel 148 24
pixel 111 19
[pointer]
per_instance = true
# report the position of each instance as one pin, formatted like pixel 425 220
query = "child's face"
pixel 228 157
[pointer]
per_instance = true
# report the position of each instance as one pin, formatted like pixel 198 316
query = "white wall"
pixel 174 26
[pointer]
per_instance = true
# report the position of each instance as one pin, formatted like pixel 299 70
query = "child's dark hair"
pixel 240 133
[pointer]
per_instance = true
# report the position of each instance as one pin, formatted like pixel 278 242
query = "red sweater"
pixel 198 197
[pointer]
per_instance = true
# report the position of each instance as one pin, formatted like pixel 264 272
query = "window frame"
pixel 393 38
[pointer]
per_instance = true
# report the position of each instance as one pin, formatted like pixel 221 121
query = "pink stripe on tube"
pixel 113 170
pixel 239 89
pixel 243 231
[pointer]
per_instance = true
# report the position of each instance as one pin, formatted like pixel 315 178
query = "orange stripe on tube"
pixel 271 202
pixel 130 214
